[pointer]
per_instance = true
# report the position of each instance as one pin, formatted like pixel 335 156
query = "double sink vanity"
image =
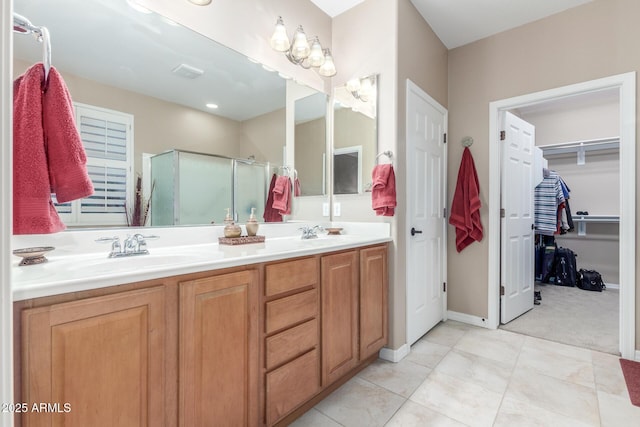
pixel 196 333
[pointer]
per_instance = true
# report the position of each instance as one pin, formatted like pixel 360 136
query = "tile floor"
pixel 461 375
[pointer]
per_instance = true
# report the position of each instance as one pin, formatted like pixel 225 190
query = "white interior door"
pixel 426 224
pixel 517 248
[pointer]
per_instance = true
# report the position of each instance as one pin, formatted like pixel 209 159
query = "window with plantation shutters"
pixel 107 136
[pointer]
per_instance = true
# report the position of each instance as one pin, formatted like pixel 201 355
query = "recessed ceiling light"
pixel 268 68
pixel 200 2
pixel 137 7
pixel 284 76
pixel 212 106
pixel 253 60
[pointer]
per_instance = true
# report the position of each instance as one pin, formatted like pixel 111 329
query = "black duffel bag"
pixel 590 280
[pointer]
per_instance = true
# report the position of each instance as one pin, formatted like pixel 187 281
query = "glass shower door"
pixel 249 189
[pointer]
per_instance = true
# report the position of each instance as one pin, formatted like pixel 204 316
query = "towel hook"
pixel 467 141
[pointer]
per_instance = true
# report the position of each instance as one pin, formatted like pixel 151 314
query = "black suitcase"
pixel 548 257
pixel 565 267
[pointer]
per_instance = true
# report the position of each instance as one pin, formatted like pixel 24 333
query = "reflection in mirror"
pixel 355 135
pixel 310 142
pixel 126 64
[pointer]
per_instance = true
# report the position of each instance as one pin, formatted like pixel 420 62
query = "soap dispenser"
pixel 252 224
pixel 231 229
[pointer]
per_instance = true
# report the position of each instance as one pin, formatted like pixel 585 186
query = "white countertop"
pixel 78 263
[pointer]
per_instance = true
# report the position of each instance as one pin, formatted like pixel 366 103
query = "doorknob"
pixel 414 231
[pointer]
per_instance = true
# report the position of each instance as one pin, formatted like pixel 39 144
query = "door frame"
pixel 412 87
pixel 626 83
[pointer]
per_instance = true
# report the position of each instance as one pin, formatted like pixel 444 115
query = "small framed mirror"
pixel 355 135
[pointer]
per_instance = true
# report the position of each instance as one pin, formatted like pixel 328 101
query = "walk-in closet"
pixel 578 139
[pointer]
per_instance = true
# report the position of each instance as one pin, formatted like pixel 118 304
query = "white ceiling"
pixel 459 22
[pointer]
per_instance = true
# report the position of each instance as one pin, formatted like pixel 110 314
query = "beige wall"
pixel 310 139
pixel 588 42
pixel 263 137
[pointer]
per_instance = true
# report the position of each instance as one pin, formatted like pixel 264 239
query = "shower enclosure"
pixel 196 188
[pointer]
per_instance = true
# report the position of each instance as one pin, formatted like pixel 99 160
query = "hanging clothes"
pixel 548 198
pixel 465 208
pixel 48 155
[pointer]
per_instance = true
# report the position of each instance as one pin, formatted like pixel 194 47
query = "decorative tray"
pixel 242 240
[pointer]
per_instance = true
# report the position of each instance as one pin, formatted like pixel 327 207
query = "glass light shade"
pixel 328 69
pixel 316 57
pixel 366 89
pixel 353 85
pixel 280 39
pixel 300 49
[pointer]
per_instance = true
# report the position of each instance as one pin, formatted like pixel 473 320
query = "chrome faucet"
pixel 132 245
pixel 310 232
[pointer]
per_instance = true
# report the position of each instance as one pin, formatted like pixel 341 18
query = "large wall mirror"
pixel 310 142
pixel 183 91
pixel 355 135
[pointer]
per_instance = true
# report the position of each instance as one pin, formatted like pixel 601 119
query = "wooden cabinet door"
pixel 373 300
pixel 101 358
pixel 219 350
pixel 339 314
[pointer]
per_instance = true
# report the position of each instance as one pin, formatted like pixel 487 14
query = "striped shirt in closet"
pixel 547 197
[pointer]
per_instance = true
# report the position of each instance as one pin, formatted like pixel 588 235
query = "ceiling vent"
pixel 187 71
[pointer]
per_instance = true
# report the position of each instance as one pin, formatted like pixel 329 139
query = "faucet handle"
pixel 116 248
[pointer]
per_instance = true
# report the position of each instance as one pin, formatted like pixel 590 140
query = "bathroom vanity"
pixel 242 336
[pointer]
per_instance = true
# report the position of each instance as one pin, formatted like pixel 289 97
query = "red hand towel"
pixel 465 208
pixel 281 195
pixel 271 214
pixel 48 155
pixel 383 191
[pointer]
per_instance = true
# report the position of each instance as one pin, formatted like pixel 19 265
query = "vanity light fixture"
pixel 212 106
pixel 302 51
pixel 361 89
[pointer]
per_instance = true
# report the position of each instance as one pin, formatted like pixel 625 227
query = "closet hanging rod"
pixel 23 26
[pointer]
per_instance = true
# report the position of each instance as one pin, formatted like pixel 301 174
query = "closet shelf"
pixel 581 147
pixel 582 221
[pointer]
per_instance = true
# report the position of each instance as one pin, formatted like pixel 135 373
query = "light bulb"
pixel 280 39
pixel 300 49
pixel 316 57
pixel 328 69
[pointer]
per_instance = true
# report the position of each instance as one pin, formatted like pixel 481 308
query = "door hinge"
pixel 444 286
pixel 503 213
pixel 503 135
pixel 444 213
pixel 445 138
pixel 501 290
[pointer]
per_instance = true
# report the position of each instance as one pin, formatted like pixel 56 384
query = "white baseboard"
pixel 612 285
pixel 637 356
pixel 395 355
pixel 469 319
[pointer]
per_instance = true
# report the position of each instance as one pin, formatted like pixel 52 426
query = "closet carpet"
pixel 572 316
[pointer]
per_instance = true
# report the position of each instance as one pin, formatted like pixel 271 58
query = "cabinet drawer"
pixel 292 384
pixel 288 311
pixel 289 276
pixel 291 343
